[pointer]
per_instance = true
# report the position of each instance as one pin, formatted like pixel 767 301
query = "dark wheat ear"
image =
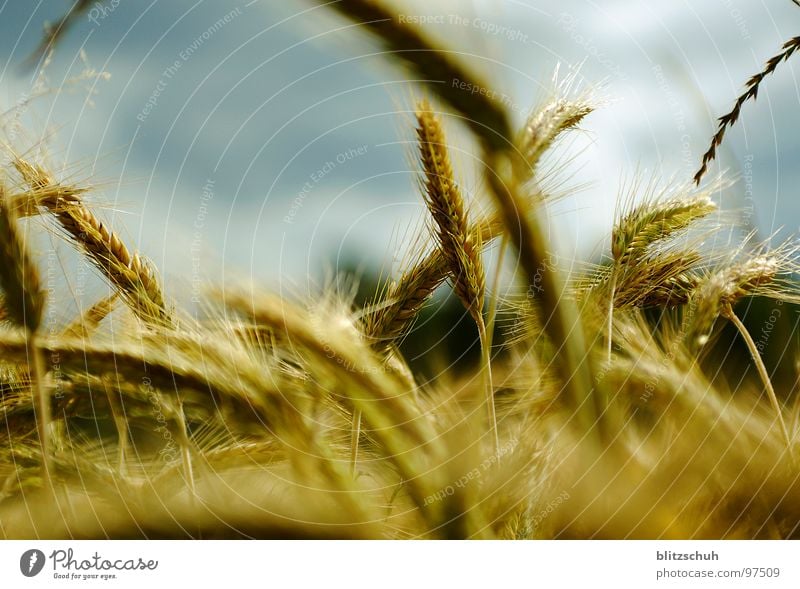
pixel 54 33
pixel 750 93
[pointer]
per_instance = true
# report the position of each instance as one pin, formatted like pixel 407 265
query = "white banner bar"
pixel 400 565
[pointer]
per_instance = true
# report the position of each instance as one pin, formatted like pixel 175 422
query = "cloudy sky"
pixel 268 140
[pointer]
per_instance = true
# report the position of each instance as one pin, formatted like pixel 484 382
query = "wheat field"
pixel 602 404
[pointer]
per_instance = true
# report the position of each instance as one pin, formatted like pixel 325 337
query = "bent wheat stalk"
pixel 562 322
pixel 454 84
pixel 718 295
pixel 407 438
pixel 490 123
pixel 728 313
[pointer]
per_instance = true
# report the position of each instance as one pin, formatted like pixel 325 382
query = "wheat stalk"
pixel 127 271
pixel 19 278
pixel 750 93
pixel 563 324
pixel 728 313
pixel 24 305
pixel 719 294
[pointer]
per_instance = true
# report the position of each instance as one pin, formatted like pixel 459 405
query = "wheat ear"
pixel 656 221
pixel 24 303
pixel 544 126
pixel 664 280
pixel 389 320
pixel 127 271
pixel 750 93
pixel 446 206
pixel 84 325
pixel 454 236
pixel 28 203
pixel 725 287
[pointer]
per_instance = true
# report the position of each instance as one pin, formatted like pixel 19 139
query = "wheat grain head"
pixel 127 271
pixel 751 93
pixel 446 206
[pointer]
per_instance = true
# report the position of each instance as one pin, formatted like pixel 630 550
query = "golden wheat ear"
pixel 445 203
pixel 131 274
pixel 653 222
pixel 89 321
pixel 563 112
pixel 24 305
pixel 725 287
pixel 455 237
pixel 641 276
pixel 751 93
pixel 391 316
